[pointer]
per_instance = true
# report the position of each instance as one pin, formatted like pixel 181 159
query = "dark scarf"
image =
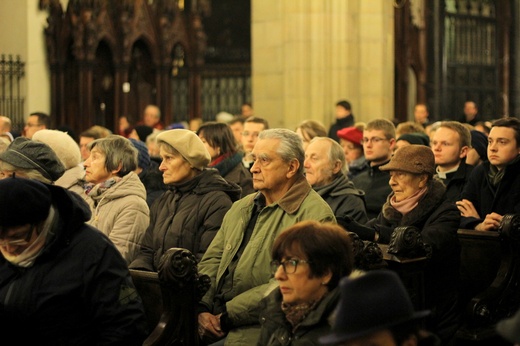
pixel 296 313
pixel 225 166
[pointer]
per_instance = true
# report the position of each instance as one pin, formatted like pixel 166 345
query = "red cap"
pixel 351 134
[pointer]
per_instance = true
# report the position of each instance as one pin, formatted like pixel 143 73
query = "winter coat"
pixel 357 167
pixel 253 274
pixel 438 221
pixel 374 183
pixel 122 214
pixel 486 198
pixel 71 180
pixel 233 170
pixel 77 292
pixel 344 199
pixel 277 331
pixel 456 181
pixel 187 216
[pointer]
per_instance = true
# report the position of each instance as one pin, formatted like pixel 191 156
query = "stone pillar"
pixel 307 55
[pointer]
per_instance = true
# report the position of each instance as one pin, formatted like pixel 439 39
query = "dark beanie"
pixel 27 154
pixel 143 131
pixel 415 138
pixel 143 157
pixel 23 201
pixel 479 141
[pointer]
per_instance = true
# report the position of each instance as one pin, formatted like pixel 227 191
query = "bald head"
pixel 5 124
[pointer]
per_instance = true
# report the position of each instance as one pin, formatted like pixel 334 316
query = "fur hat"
pixel 372 302
pixel 413 158
pixel 63 145
pixel 351 134
pixel 143 157
pixel 189 145
pixel 28 154
pixel 23 201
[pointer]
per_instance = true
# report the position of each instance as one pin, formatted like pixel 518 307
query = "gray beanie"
pixel 27 154
pixel 189 145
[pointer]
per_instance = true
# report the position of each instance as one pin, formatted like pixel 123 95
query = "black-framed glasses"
pixel 19 241
pixel 289 266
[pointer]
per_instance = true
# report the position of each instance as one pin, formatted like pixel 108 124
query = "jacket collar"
pixel 294 197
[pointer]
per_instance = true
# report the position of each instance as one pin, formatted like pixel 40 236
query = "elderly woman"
pixel 309 259
pixel 419 200
pixel 117 197
pixel 309 129
pixel 190 213
pixel 220 143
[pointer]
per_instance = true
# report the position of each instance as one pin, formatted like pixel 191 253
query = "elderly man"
pixel 450 145
pixel 237 260
pixel 326 170
pixel 62 281
pixel 493 187
pixel 152 117
pixel 378 145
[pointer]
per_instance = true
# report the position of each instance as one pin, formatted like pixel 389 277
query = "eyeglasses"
pixel 374 140
pixel 19 241
pixel 32 125
pixel 289 266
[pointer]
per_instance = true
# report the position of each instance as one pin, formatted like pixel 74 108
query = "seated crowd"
pixel 267 214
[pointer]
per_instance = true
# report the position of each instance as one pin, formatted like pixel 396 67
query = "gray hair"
pixel 335 154
pixel 290 147
pixel 119 153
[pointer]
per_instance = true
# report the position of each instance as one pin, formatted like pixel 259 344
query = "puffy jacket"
pixel 344 199
pixel 277 331
pixel 188 216
pixel 77 292
pixel 71 180
pixel 502 199
pixel 122 214
pixel 251 280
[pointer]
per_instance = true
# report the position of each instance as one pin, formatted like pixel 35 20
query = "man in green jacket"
pixel 237 260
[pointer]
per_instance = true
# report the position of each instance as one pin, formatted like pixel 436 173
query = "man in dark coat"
pixel 450 145
pixel 326 171
pixel 344 118
pixel 62 282
pixel 493 189
pixel 378 145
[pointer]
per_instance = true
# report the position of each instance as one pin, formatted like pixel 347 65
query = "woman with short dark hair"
pixel 220 143
pixel 309 259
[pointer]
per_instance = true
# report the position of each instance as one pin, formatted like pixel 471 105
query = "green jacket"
pixel 252 279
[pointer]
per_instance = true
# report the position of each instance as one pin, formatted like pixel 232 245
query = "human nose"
pixel 279 274
pixel 391 181
pixel 306 163
pixel 87 162
pixel 162 166
pixel 492 146
pixel 255 167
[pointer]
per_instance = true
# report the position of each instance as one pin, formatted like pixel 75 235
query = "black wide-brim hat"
pixel 372 302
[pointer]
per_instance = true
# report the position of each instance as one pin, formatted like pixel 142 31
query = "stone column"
pixel 308 54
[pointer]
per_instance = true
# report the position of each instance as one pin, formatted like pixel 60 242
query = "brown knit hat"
pixel 188 144
pixel 413 158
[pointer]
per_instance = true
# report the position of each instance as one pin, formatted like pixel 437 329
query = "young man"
pixel 493 188
pixel 450 145
pixel 420 114
pixel 252 128
pixel 378 145
pixel 37 121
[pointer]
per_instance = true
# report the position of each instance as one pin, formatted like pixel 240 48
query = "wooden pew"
pixel 170 298
pixel 490 278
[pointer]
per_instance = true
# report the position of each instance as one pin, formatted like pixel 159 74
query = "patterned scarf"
pixel 296 313
pixel 94 190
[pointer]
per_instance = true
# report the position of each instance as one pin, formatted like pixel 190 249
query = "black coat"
pixel 347 121
pixel 438 220
pixel 502 199
pixel 456 181
pixel 77 292
pixel 188 216
pixel 374 183
pixel 344 199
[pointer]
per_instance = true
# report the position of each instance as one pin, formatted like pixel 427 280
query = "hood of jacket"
pixel 130 184
pixel 339 187
pixel 207 181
